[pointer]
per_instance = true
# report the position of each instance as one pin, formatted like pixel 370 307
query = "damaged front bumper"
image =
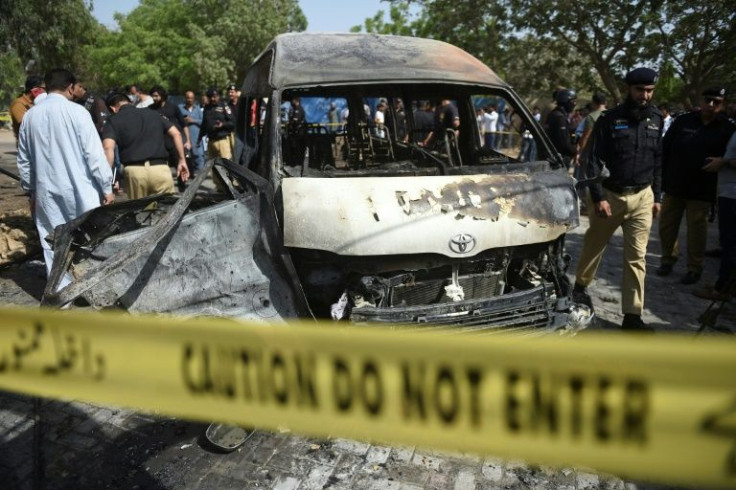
pixel 528 310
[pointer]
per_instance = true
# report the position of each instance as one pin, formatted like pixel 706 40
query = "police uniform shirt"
pixel 423 123
pixel 628 141
pixel 444 118
pixel 559 132
pixel 212 114
pixel 686 145
pixel 233 106
pixel 139 134
pixel 296 115
pixel 172 114
pixel 97 109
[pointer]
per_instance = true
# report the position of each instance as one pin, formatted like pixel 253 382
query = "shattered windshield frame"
pixel 400 129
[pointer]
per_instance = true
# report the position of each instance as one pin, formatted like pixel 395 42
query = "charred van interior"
pixel 398 130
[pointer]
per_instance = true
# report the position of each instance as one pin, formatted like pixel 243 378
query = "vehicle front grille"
pixel 531 309
pixel 430 291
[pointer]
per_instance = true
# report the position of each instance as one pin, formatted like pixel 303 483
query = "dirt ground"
pixel 22 272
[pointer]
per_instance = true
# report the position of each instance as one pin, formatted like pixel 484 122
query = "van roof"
pixel 303 59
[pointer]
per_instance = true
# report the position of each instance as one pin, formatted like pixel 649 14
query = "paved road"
pixel 87 446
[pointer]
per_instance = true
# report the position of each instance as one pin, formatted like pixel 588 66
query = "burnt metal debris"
pixel 355 220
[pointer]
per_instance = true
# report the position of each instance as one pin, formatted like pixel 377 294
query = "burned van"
pixel 383 179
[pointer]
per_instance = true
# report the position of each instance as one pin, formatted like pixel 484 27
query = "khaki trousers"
pixel 697 230
pixel 147 180
pixel 223 149
pixel 220 148
pixel 633 213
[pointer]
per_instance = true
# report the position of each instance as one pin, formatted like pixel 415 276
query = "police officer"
pixel 139 137
pixel 217 124
pixel 95 105
pixel 558 127
pixel 689 189
pixel 626 142
pixel 296 127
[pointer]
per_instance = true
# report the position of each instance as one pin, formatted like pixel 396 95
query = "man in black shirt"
pixel 140 138
pixel 232 100
pixel 217 124
pixel 423 121
pixel 445 117
pixel 172 114
pixel 626 141
pixel 94 105
pixel 558 127
pixel 235 140
pixel 690 140
pixel 295 129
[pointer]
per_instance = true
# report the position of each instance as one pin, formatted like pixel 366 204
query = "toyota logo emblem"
pixel 462 243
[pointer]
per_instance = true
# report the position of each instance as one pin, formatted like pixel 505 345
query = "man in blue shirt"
pixel 193 117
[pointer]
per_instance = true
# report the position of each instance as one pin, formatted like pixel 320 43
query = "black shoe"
pixel 634 323
pixel 690 278
pixel 580 295
pixel 664 270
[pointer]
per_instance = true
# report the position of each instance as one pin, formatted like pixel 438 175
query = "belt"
pixel 143 162
pixel 625 190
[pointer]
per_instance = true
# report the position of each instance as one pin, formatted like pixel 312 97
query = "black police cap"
pixel 715 92
pixel 642 76
pixel 232 87
pixel 212 91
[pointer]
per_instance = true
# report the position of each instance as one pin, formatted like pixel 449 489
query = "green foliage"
pixel 535 67
pixel 538 45
pixel 697 41
pixel 50 33
pixel 670 86
pixel 399 24
pixel 608 33
pixel 191 44
pixel 478 26
pixel 11 78
pixel 39 35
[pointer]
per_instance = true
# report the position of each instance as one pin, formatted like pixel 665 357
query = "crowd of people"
pixel 637 161
pixel 640 163
pixel 75 148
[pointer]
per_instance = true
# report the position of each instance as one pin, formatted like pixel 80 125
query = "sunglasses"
pixel 714 101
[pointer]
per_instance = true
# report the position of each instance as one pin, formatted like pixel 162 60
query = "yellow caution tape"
pixel 661 409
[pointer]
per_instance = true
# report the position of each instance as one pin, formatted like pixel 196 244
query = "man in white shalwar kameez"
pixel 61 161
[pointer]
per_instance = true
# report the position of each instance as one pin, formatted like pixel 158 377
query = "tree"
pixel 697 41
pixel 537 45
pixel 38 35
pixel 477 26
pixel 608 34
pixel 399 24
pixel 243 28
pixel 11 77
pixel 153 45
pixel 49 33
pixel 483 29
pixel 536 67
pixel 191 44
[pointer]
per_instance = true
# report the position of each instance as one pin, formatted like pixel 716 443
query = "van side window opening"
pixel 366 130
